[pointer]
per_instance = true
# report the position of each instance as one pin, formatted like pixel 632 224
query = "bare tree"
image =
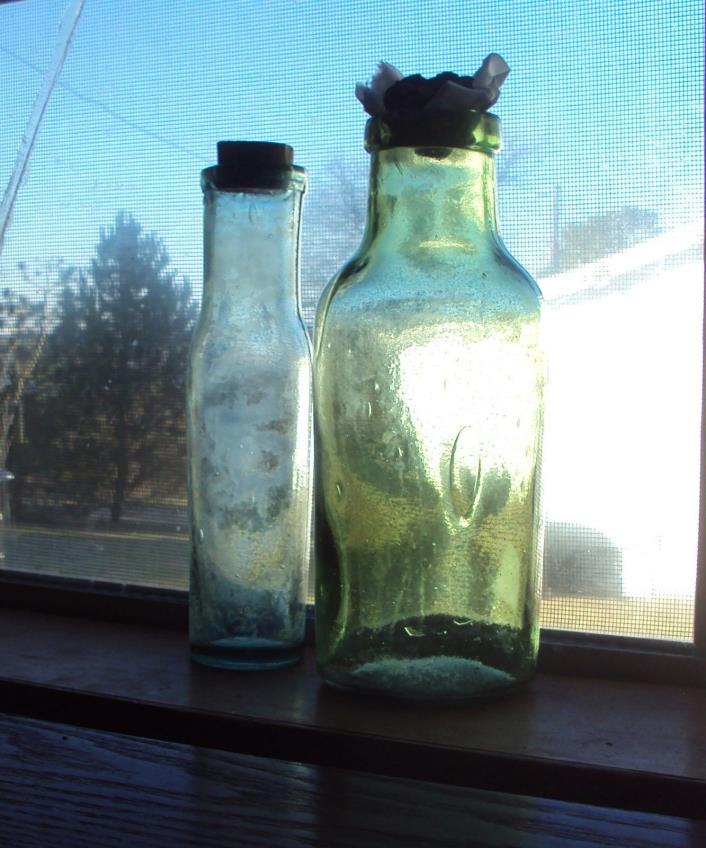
pixel 335 217
pixel 23 335
pixel 602 235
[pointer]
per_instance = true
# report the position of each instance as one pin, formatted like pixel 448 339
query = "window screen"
pixel 600 190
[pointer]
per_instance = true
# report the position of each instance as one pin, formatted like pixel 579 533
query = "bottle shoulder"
pixel 445 284
pixel 249 344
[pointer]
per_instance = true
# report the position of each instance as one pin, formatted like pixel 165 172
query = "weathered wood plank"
pixel 65 786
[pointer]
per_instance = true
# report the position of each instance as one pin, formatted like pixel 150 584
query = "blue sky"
pixel 604 99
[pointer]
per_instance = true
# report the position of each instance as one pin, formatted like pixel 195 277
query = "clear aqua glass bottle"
pixel 428 385
pixel 249 417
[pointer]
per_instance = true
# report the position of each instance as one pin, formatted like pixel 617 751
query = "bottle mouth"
pixel 469 130
pixel 253 165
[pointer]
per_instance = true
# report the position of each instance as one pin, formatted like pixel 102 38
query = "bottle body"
pixel 428 384
pixel 249 433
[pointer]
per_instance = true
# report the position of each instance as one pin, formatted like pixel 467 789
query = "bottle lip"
pixel 253 166
pixel 273 181
pixel 469 129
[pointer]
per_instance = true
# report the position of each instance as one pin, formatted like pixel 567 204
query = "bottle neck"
pixel 251 250
pixel 430 198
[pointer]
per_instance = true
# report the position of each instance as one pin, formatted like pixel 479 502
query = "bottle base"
pixel 430 679
pixel 246 655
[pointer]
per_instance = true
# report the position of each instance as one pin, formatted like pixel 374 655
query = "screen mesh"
pixel 600 190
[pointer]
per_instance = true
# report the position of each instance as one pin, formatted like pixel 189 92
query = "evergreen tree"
pixel 109 416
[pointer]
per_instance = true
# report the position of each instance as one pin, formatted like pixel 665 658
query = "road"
pixel 137 559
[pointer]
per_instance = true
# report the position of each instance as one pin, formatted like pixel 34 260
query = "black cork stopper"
pixel 252 164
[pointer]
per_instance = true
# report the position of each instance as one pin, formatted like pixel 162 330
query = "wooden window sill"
pixel 63 785
pixel 637 746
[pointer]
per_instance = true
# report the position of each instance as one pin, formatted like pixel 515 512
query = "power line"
pixel 103 107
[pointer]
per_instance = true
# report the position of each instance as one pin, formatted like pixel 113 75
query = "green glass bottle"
pixel 428 389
